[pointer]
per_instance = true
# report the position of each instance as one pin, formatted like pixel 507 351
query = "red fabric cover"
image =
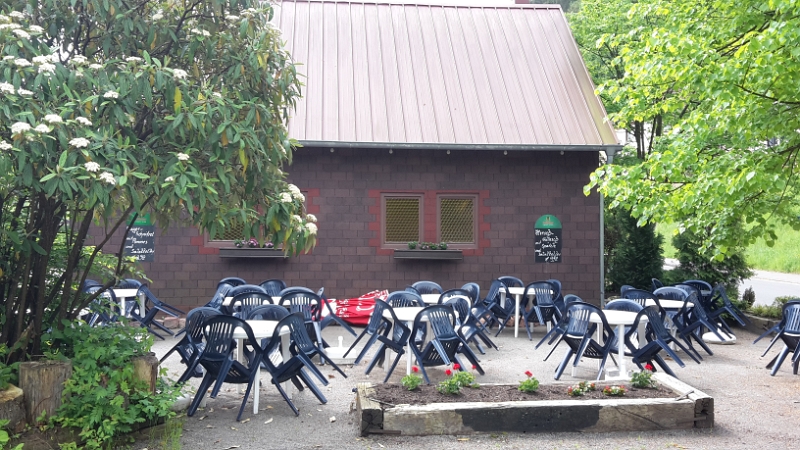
pixel 356 311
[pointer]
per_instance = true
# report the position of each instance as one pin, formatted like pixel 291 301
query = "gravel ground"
pixel 753 409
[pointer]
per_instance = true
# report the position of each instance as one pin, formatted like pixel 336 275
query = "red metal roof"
pixel 455 75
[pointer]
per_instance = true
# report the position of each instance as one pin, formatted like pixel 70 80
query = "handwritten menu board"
pixel 141 240
pixel 547 240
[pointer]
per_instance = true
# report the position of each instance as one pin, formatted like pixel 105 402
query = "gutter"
pixel 610 152
pixel 608 149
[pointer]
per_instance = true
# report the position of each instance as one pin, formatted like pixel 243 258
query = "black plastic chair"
pixel 639 296
pixel 444 296
pixel 244 302
pixel 291 369
pixel 403 299
pixel 427 287
pixel 544 309
pixel 466 324
pixel 273 287
pixel 622 304
pixel 727 307
pixel 656 283
pixel 233 281
pixel 216 358
pixel 510 281
pixel 191 345
pixel 790 335
pixel 474 290
pixel 331 317
pixel 104 309
pixel 412 289
pixel 377 325
pixel 154 306
pixel 445 343
pixel 625 288
pixel 705 292
pixel 302 344
pixel 658 339
pixel 677 319
pixel 554 336
pixel 306 302
pixel 395 342
pixel 500 313
pixel 698 318
pixel 578 336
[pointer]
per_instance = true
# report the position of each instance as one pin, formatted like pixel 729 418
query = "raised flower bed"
pixel 683 407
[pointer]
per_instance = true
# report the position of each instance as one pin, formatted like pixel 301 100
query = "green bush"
pixel 633 254
pixel 102 398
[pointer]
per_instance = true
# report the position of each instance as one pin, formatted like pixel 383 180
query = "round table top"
pixel 430 299
pixel 127 292
pixel 516 290
pixel 669 304
pixel 407 314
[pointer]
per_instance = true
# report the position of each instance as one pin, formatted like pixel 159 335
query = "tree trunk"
pixel 43 383
pixel 145 368
pixel 12 408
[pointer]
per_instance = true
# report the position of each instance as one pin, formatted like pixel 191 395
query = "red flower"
pixel 456 367
pixel 414 369
pixel 474 367
pixel 528 373
pixel 649 367
pixel 448 372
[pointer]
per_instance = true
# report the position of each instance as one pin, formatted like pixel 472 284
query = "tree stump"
pixel 12 408
pixel 145 368
pixel 43 383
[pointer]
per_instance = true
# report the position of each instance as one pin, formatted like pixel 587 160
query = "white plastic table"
pixel 261 329
pixel 517 292
pixel 430 299
pixel 124 294
pixel 619 319
pixel 406 315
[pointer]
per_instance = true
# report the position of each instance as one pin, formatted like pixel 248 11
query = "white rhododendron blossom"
pixel 22 33
pixel 41 59
pixel 133 59
pixel 21 91
pixel 47 68
pixel 16 15
pixel 296 218
pixel 200 32
pixel 7 88
pixel 293 189
pixel 92 166
pixel 95 66
pixel 286 197
pixel 22 62
pixel 182 157
pixel 78 60
pixel 42 128
pixel 10 26
pixel 9 57
pixel 79 142
pixel 311 218
pixel 83 121
pixel 53 118
pixel 312 229
pixel 179 74
pixel 5 145
pixel 108 178
pixel 231 18
pixel 110 94
pixel 169 179
pixel 158 16
pixel 4 18
pixel 20 127
pixel 35 29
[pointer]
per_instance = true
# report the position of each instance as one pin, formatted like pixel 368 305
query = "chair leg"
pixel 246 396
pixel 663 364
pixel 780 359
pixel 563 365
pixel 367 346
pixel 314 388
pixel 286 398
pixel 391 368
pixel 377 360
pixel 201 392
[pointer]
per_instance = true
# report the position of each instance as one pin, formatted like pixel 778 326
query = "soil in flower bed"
pixel 394 394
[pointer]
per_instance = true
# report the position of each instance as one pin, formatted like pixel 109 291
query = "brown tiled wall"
pixel 521 187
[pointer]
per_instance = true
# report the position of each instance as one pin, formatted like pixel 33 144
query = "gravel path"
pixel 753 409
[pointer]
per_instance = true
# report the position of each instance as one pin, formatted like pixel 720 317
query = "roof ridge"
pixel 483 4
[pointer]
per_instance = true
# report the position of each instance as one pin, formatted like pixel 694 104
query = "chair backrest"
pixel 572 298
pixel 440 318
pixel 671 293
pixel 106 301
pixel 273 286
pixel 791 317
pixel 267 312
pixel 545 291
pixel 404 299
pixel 427 287
pixel 412 289
pixel 307 303
pixel 298 333
pixel 195 320
pixel 493 296
pixel 293 289
pixel 243 303
pixel 557 285
pixel 622 304
pixel 377 317
pixel 625 288
pixel 87 283
pixel 129 283
pixel 656 283
pixel 511 281
pixel 578 315
pixel 655 321
pixel 640 296
pixel 218 335
pixel 245 289
pixel 474 290
pixel 461 306
pixel 233 281
pixel 452 293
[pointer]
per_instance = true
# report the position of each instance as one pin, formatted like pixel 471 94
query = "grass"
pixel 784 256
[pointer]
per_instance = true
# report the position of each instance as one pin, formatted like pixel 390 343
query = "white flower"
pixel 20 127
pixel 5 145
pixel 41 59
pixel 293 189
pixel 53 118
pixel 169 179
pixel 231 18
pixel 110 94
pixel 108 178
pixel 133 59
pixel 182 157
pixel 286 197
pixel 8 88
pixel 42 128
pixel 95 66
pixel 4 19
pixel 21 91
pixel 179 74
pixel 296 218
pixel 47 68
pixel 78 60
pixel 22 62
pixel 35 29
pixel 83 121
pixel 8 57
pixel 92 166
pixel 79 142
pixel 200 32
pixel 158 16
pixel 10 26
pixel 21 33
pixel 299 197
pixel 216 94
pixel 312 229
pixel 311 218
pixel 16 15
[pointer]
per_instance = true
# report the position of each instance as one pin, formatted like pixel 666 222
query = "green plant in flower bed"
pixel 580 389
pixel 459 379
pixel 531 384
pixel 644 378
pixel 412 380
pixel 103 398
pixel 8 372
pixel 614 391
pixel 4 436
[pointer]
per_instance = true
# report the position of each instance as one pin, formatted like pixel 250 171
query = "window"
pixel 457 222
pixel 402 221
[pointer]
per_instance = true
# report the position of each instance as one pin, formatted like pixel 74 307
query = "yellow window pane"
pixel 402 219
pixel 457 216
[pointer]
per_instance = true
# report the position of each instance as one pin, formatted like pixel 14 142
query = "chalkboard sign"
pixel 141 243
pixel 547 240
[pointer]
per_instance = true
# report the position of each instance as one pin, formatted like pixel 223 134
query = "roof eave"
pixel 607 148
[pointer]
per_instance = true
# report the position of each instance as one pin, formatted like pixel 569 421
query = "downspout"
pixel 609 159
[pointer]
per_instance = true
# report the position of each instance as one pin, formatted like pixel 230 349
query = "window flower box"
pixel 447 255
pixel 251 252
